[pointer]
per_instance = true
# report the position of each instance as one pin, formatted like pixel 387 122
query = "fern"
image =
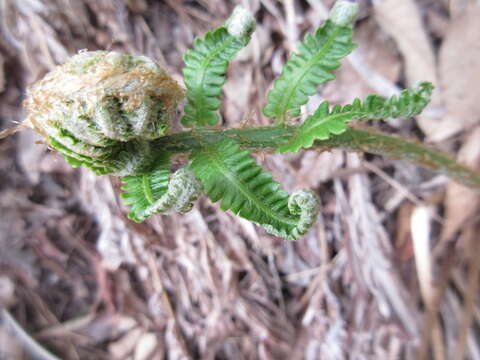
pixel 326 122
pixel 154 193
pixel 206 64
pixel 231 176
pixel 86 127
pixel 318 55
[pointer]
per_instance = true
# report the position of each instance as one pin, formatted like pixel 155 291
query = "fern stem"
pixel 270 137
pixel 398 148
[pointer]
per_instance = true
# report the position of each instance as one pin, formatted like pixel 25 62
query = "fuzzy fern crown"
pixel 110 111
pixel 100 109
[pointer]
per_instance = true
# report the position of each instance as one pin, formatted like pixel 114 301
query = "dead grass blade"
pixel 30 345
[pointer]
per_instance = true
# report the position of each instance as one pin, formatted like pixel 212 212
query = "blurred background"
pixel 390 271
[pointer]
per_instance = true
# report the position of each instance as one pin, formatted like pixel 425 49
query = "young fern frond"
pixel 230 175
pixel 318 56
pixel 110 112
pixel 206 64
pixel 326 122
pixel 156 192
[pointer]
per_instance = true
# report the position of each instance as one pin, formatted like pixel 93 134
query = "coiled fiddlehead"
pixel 156 192
pixel 100 108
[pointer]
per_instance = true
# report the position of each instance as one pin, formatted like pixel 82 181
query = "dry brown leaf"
pixel 461 203
pixel 137 6
pixel 457 7
pixel 30 156
pixel 124 346
pixel 7 291
pixel 10 348
pixel 2 75
pixel 403 22
pixel 11 130
pixel 237 91
pixel 377 51
pixel 403 236
pixel 437 21
pixel 459 66
pixel 145 347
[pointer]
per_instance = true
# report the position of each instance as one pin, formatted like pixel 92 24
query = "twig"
pixel 66 327
pixel 420 230
pixel 471 293
pixel 430 317
pixel 158 286
pixel 32 347
pixel 292 33
pixel 392 182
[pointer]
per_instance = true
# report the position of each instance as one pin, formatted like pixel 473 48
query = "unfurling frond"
pixel 230 175
pixel 326 122
pixel 318 56
pixel 206 64
pixel 154 193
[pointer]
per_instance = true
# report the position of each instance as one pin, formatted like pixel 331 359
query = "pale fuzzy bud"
pixel 183 190
pixel 241 23
pixel 304 203
pixel 98 101
pixel 343 12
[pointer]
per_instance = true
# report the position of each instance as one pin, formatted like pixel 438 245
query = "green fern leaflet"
pixel 230 175
pixel 318 56
pixel 205 67
pixel 326 122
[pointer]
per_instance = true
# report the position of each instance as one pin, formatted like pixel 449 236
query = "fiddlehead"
pixel 230 175
pixel 206 64
pixel 156 192
pixel 100 109
pixel 318 55
pixel 326 122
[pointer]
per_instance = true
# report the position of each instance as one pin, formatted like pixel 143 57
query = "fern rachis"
pixel 326 122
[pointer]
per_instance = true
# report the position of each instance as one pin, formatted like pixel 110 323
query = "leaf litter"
pixel 89 284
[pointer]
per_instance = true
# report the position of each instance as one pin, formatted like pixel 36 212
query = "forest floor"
pixel 390 271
